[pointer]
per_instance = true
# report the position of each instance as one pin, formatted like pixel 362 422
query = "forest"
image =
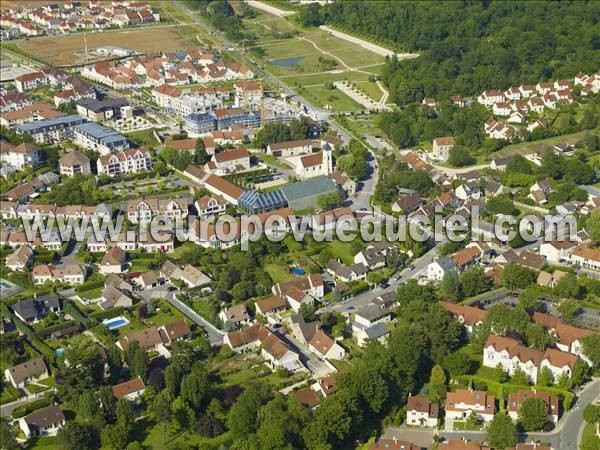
pixel 467 47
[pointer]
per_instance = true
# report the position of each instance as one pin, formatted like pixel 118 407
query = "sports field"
pixel 65 50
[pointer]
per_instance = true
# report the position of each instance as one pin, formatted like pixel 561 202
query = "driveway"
pixel 317 367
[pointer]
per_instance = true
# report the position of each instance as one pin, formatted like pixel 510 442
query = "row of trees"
pixel 275 132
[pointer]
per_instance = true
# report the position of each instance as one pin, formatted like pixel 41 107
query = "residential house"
pixel 516 399
pixel 101 110
pixel 344 183
pixel 440 267
pixel 20 157
pixel 490 97
pixel 370 315
pixel 193 277
pixel 586 258
pixel 407 203
pixel 301 291
pixel 228 161
pixel 378 332
pixel 346 273
pixel 511 354
pixel 92 136
pixel 470 316
pixel 19 259
pixel 144 209
pixel 442 147
pixel 148 339
pixel 71 274
pixel 114 261
pixel 307 397
pixel 44 422
pixel 550 280
pixel 113 297
pixel 499 163
pixel 174 331
pixel 135 160
pixel 531 260
pixel 559 362
pixel 209 206
pixel 270 307
pixel 24 373
pixel 290 148
pixel 422 412
pixel 557 252
pixel 302 331
pixel 325 347
pixel 131 390
pixel 460 404
pixel 273 349
pixel 235 316
pixel 35 309
pixel 74 162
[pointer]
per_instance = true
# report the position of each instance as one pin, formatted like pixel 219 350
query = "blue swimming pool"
pixel 59 351
pixel 298 271
pixel 115 322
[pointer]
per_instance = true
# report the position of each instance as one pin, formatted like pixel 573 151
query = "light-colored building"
pixel 92 136
pixel 460 404
pixel 144 209
pixel 130 161
pixel 290 148
pixel 421 412
pixel 20 157
pixel 516 399
pixel 325 347
pixel 74 162
pixel 45 422
pixel 21 374
pixel 229 161
pixel 315 164
pixel 131 390
pixel 442 146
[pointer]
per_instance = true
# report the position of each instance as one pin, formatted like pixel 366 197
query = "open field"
pixel 526 148
pixel 66 50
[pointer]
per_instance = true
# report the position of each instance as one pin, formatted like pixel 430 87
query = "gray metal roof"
pixel 376 331
pixel 314 186
pixel 55 121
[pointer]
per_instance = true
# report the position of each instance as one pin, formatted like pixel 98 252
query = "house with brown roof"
pixel 290 148
pixel 422 412
pixel 131 390
pixel 442 146
pixel 74 162
pixel 21 374
pixel 22 156
pixel 193 277
pixel 235 316
pixel 512 354
pixel 326 386
pixel 586 258
pixel 301 291
pixel 220 186
pixel 270 307
pixel 114 261
pixel 531 260
pixel 462 444
pixel 470 316
pixel 44 422
pixel 325 347
pixel 148 339
pixel 461 403
pixel 19 259
pixel 516 399
pixel 392 444
pixel 550 280
pixel 557 252
pixel 559 362
pixel 307 398
pixel 466 258
pixel 570 339
pixel 174 331
pixel 144 209
pixel 228 161
pixel 273 349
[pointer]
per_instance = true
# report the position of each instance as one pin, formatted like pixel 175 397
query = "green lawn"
pixel 9 394
pixel 167 314
pixel 525 148
pixel 333 99
pixel 92 293
pixel 278 272
pixel 342 250
pixel 143 138
pixel 33 388
pixel 270 159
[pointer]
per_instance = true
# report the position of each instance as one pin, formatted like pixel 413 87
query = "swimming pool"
pixel 115 322
pixel 298 271
pixel 59 351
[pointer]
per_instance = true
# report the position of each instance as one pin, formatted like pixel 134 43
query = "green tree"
pixel 437 375
pixel 114 436
pixel 591 348
pixel 569 309
pixel 501 433
pixel 137 360
pixel 194 386
pixel 125 414
pixel 243 415
pixel 545 377
pixel 514 276
pixel 173 378
pixel 520 377
pixel 533 414
pixel 458 363
pixel 567 287
pixel 330 200
pixel 87 405
pixel 593 224
pixel 200 155
pixel 281 422
pixel 8 440
pixel 473 281
pixel 75 436
pixel 460 156
pixel 183 415
pixel 450 286
pixel 591 413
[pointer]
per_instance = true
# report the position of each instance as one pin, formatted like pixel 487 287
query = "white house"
pixel 460 404
pixel 559 362
pixel 290 148
pixel 315 164
pixel 516 399
pixel 325 347
pixel 557 252
pixel 441 147
pixel 229 161
pixel 44 422
pixel 489 97
pixel 114 261
pixel 22 156
pixel 511 354
pixel 586 257
pixel 422 412
pixel 131 390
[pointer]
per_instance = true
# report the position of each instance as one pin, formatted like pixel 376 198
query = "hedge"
pixel 35 341
pixel 24 410
pixel 79 316
pixel 89 286
pixel 46 332
pixel 108 314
